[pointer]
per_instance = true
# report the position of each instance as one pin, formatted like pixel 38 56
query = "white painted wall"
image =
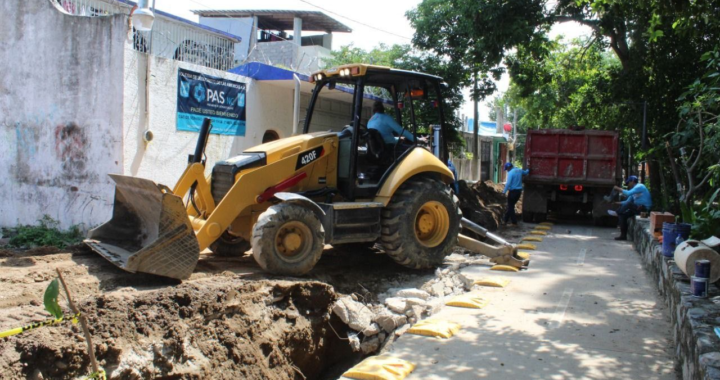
pixel 165 157
pixel 269 106
pixel 60 114
pixel 72 111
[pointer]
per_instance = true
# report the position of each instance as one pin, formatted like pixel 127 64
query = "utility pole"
pixel 643 143
pixel 476 118
pixel 514 133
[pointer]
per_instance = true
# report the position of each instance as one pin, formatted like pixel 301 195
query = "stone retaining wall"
pixel 697 348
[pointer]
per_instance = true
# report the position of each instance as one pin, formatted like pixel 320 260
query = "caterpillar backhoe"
pixel 287 198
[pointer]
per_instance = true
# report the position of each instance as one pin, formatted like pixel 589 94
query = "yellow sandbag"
pixel 381 367
pixel 504 268
pixel 543 228
pixel 435 327
pixel 527 246
pixel 536 232
pixel 547 224
pixel 524 255
pixel 468 300
pixel 494 282
pixel 532 238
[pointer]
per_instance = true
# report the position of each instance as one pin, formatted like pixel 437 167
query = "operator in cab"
pixel 513 188
pixel 388 128
pixel 638 200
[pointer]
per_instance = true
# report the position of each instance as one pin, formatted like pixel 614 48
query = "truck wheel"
pixel 288 239
pixel 605 221
pixel 528 216
pixel 228 245
pixel 420 224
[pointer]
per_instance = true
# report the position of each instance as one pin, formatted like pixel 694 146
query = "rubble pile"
pixel 484 203
pixel 375 325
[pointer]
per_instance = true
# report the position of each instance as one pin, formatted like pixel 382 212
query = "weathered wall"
pixel 165 157
pixel 60 113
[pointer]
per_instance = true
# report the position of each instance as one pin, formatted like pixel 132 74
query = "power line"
pixel 355 21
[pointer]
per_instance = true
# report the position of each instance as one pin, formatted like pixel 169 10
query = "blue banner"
pixel 221 100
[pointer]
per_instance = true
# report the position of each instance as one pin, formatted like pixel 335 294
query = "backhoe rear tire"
pixel 420 225
pixel 288 239
pixel 228 246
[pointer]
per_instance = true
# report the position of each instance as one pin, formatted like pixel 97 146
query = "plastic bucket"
pixel 670 234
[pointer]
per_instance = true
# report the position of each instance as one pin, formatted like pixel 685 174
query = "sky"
pixel 372 21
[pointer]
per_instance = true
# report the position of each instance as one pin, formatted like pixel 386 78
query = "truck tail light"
pixel 563 187
pixel 578 187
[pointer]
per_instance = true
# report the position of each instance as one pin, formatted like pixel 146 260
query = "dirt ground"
pixel 228 321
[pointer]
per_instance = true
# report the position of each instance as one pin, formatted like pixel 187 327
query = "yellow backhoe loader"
pixel 287 198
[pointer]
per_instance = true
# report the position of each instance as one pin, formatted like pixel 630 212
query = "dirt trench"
pixel 222 330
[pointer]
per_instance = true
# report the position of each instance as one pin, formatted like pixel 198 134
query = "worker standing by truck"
pixel 638 200
pixel 513 188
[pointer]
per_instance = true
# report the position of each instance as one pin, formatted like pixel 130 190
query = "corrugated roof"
pixel 282 19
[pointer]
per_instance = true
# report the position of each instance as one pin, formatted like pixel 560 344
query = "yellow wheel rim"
pixel 293 240
pixel 432 223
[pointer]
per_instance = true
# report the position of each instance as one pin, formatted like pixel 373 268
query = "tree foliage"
pixel 657 53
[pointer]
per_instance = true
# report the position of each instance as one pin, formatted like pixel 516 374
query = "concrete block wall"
pixel 697 348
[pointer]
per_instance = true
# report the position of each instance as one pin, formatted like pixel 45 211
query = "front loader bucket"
pixel 149 231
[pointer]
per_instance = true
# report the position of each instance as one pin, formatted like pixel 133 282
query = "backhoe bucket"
pixel 149 231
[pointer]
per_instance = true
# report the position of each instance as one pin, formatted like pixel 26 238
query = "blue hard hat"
pixel 632 178
pixel 508 166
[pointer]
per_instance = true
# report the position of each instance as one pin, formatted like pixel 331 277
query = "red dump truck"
pixel 570 173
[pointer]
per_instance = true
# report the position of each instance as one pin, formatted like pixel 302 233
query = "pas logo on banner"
pixel 201 96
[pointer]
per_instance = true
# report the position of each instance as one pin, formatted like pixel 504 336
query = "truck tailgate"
pixel 577 157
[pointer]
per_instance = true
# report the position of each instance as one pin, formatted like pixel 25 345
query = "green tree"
pixel 656 48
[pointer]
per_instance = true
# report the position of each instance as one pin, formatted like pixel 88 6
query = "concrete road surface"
pixel 584 310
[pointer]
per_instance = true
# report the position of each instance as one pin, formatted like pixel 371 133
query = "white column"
pixel 297 37
pixel 297 31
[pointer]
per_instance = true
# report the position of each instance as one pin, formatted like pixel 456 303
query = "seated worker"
pixel 638 200
pixel 389 129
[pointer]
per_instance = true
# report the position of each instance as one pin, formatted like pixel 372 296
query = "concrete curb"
pixel 697 348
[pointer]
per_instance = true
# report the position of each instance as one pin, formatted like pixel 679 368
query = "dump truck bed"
pixel 561 156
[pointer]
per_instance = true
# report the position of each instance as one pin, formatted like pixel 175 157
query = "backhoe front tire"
pixel 228 246
pixel 420 224
pixel 288 239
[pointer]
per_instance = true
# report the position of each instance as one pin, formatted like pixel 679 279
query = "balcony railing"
pixel 171 37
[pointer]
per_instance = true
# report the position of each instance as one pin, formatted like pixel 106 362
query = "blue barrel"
pixel 670 234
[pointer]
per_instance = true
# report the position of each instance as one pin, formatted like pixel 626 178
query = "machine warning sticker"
pixel 309 156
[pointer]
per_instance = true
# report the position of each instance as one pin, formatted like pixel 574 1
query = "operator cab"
pixel 370 145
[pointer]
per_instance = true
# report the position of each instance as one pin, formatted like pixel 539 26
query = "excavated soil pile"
pixel 230 329
pixel 484 203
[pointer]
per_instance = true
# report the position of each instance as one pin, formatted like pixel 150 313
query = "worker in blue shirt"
pixel 389 129
pixel 513 188
pixel 638 200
